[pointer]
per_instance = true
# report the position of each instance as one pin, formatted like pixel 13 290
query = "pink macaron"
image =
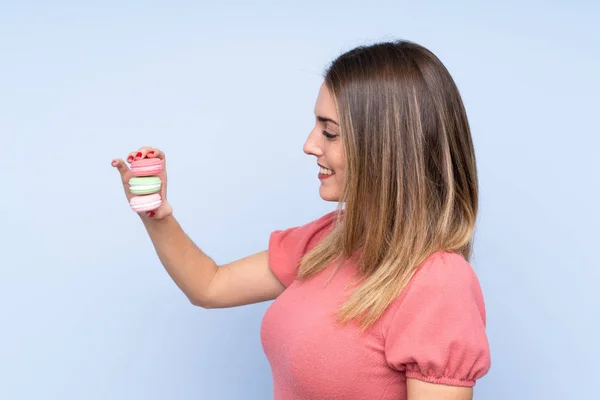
pixel 147 167
pixel 145 203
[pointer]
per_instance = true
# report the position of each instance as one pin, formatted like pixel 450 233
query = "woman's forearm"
pixel 188 266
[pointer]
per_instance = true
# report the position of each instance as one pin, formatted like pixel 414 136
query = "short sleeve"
pixel 286 247
pixel 436 333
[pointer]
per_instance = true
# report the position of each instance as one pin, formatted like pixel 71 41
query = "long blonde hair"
pixel 411 178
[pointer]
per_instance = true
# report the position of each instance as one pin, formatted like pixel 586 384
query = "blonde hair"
pixel 411 179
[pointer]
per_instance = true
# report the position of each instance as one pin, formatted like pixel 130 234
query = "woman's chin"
pixel 327 194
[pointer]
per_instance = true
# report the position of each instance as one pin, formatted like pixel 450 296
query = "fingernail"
pixel 130 158
pixel 138 155
pixel 151 152
pixel 151 214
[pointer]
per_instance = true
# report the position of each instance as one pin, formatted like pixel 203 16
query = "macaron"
pixel 145 203
pixel 140 185
pixel 147 167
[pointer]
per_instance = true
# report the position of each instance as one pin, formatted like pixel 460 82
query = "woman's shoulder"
pixel 444 280
pixel 435 330
pixel 287 246
pixel 446 271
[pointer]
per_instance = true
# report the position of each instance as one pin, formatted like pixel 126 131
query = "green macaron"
pixel 140 185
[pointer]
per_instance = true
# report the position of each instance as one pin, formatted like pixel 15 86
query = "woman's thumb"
pixel 120 166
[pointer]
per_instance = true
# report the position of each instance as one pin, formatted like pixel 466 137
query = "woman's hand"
pixel 145 152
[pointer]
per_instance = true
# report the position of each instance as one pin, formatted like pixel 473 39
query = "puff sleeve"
pixel 286 247
pixel 437 331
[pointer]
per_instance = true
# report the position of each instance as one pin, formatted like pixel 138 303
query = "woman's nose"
pixel 312 146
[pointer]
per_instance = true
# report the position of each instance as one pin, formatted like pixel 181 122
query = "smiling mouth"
pixel 325 171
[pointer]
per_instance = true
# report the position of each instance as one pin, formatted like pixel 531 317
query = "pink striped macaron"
pixel 145 203
pixel 147 167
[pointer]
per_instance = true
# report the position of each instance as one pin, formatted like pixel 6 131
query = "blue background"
pixel 227 90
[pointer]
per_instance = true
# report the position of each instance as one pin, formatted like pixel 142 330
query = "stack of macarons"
pixel 145 184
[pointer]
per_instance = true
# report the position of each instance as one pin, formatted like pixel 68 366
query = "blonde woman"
pixel 376 300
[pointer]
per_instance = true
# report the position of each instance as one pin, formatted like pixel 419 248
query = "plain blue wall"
pixel 228 91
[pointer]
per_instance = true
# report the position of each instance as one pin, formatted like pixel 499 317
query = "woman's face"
pixel 324 142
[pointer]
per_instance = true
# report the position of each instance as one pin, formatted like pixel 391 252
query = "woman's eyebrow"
pixel 324 119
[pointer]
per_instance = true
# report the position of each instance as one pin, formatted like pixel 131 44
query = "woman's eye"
pixel 328 135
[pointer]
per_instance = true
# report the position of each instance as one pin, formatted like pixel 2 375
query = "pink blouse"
pixel 434 331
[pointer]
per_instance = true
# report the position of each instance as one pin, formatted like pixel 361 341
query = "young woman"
pixel 376 300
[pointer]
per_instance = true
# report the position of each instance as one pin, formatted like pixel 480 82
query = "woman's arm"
pixel 420 390
pixel 245 281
